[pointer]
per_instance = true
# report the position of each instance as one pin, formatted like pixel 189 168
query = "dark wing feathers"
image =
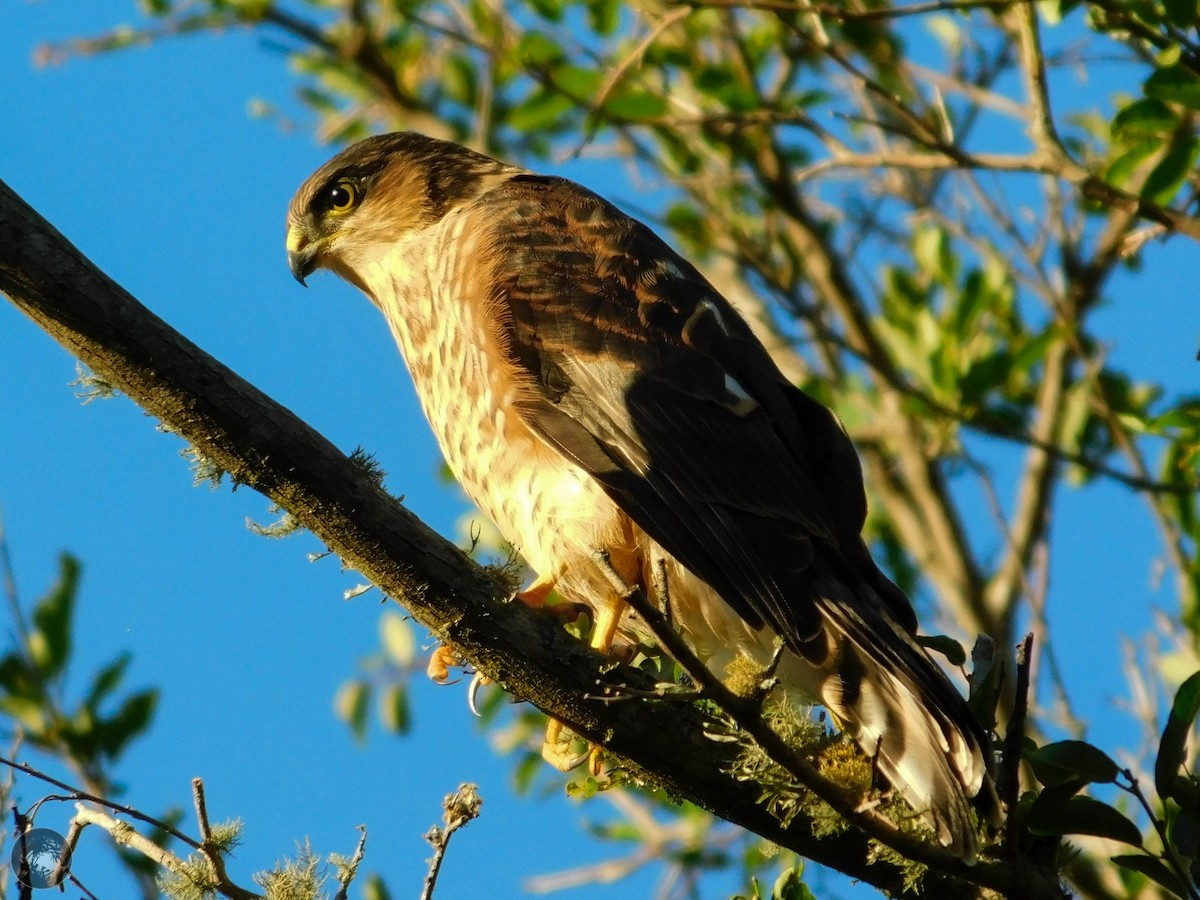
pixel 649 380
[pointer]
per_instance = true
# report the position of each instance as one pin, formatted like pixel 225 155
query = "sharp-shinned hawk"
pixel 599 399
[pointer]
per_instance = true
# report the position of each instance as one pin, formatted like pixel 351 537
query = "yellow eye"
pixel 341 198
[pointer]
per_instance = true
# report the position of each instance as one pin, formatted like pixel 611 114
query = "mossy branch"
pixel 264 446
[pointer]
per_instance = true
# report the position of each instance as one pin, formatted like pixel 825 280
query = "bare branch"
pixel 843 14
pixel 127 836
pixel 77 794
pixel 458 809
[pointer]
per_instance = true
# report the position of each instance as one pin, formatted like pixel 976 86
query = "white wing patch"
pixel 738 399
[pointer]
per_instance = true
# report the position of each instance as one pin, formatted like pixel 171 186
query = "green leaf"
pixel 1144 118
pixel 1175 84
pixel 984 375
pixel 1183 830
pixel 604 16
pixel 106 680
pixel 790 886
pixel 1081 815
pixel 375 889
pixel 1035 351
pixel 1121 168
pixel 526 772
pixel 1181 13
pixel 1051 10
pixel 540 112
pixel 394 710
pixel 947 30
pixel 905 290
pixel 30 713
pixel 132 719
pixel 1172 749
pixel 17 677
pixel 577 82
pixel 931 249
pixel 635 104
pixel 1154 869
pixel 1076 411
pixel 972 301
pixel 583 787
pixel 462 79
pixel 536 49
pixel 1166 177
pixel 984 683
pixel 719 83
pixel 954 652
pixel 350 705
pixel 319 100
pixel 1186 416
pixel 396 635
pixel 1168 56
pixel 50 641
pixel 551 10
pixel 1064 760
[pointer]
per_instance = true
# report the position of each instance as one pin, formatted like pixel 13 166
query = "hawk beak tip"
pixel 302 263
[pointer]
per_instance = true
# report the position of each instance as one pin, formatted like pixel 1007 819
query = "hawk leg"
pixel 536 595
pixel 557 749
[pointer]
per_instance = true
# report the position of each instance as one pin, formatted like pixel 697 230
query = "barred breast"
pixel 551 511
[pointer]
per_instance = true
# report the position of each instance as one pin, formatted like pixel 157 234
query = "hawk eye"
pixel 342 197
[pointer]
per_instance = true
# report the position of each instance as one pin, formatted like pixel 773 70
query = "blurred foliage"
pixel 86 736
pixel 384 679
pixel 33 683
pixel 921 208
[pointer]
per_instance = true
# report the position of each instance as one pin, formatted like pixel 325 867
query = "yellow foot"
pixel 535 595
pixel 561 749
pixel 441 662
pixel 608 617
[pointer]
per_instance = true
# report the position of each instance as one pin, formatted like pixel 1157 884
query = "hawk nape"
pixel 598 399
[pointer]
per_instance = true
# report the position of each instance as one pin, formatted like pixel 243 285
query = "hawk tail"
pixel 908 717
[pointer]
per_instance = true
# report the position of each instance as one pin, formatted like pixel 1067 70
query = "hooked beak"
pixel 301 253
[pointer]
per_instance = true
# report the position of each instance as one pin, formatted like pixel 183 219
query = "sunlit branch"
pixel 843 14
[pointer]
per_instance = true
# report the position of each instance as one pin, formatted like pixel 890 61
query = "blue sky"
pixel 151 164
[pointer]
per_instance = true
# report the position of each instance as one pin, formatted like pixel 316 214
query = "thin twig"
pixel 347 872
pixel 79 885
pixel 24 876
pixel 634 57
pixel 617 693
pixel 458 809
pixel 201 806
pixel 77 794
pixel 843 14
pixel 210 850
pixel 1170 852
pixel 1009 780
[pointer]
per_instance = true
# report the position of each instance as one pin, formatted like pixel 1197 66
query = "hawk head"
pixel 374 193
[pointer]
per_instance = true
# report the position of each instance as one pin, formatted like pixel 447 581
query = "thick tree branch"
pixel 264 446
